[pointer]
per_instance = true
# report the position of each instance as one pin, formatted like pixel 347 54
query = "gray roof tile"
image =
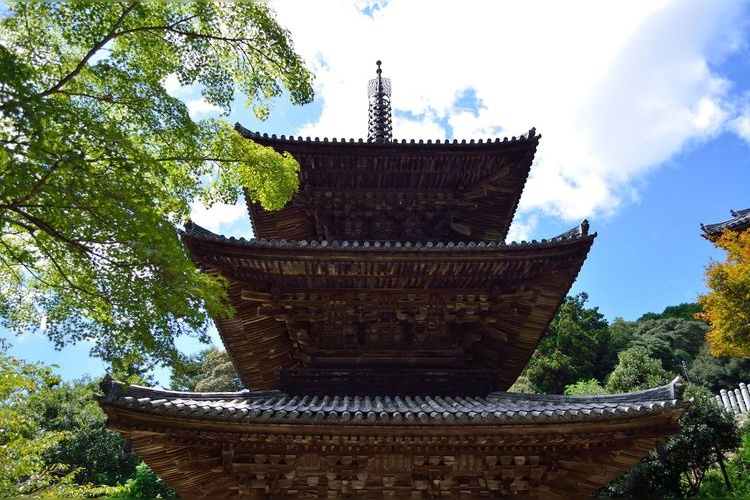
pixel 496 407
pixel 740 219
pixel 194 230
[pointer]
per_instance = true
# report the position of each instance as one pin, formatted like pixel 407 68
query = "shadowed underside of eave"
pixel 317 308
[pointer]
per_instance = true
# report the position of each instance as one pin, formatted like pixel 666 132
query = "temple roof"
pixel 329 305
pixel 740 221
pixel 496 408
pixel 194 231
pixel 269 443
pixel 391 190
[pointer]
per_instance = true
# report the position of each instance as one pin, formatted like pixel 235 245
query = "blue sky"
pixel 643 107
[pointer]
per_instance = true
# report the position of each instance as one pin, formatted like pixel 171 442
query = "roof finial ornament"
pixel 380 126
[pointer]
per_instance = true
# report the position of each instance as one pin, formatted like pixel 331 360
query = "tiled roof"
pixel 497 407
pixel 194 230
pixel 740 220
pixel 531 135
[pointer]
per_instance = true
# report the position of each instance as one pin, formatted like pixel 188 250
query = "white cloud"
pixel 220 218
pixel 616 88
pixel 174 88
pixel 201 107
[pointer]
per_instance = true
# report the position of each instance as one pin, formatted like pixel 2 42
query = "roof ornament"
pixel 380 127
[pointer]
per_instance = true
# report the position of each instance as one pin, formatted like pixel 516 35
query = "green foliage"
pixel 674 341
pixel 99 164
pixel 570 349
pixel 677 470
pixel 27 448
pixel 218 374
pixel 636 371
pixel 144 484
pixel 522 385
pixel 718 373
pixel 738 471
pixel 185 376
pixel 621 334
pixel 210 370
pixel 91 450
pixel 21 444
pixel 590 387
pixel 686 311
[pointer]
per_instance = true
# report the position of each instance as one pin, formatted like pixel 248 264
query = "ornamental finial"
pixel 380 126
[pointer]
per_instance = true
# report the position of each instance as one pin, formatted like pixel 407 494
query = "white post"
pixel 725 400
pixel 740 401
pixel 733 402
pixel 745 394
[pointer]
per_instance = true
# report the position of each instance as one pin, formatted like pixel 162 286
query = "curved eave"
pixel 496 409
pixel 740 221
pixel 196 237
pixel 297 145
pixel 207 445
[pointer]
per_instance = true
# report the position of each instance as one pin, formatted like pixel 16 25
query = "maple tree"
pixel 100 164
pixel 727 305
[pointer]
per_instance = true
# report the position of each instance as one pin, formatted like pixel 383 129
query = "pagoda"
pixel 379 317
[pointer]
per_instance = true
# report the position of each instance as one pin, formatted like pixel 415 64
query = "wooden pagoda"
pixel 379 317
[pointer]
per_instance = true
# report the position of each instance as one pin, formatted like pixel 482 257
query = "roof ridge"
pixel 578 232
pixel 249 134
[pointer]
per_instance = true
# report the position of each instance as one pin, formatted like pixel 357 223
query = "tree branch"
pixel 82 63
pixel 108 98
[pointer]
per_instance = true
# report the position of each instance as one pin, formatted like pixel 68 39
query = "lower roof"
pixel 496 408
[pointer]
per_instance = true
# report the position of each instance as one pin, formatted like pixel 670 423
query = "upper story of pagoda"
pixel 382 189
pixel 388 272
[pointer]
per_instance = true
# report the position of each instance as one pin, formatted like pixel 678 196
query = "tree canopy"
pixel 100 164
pixel 570 348
pixel 727 305
pixel 210 370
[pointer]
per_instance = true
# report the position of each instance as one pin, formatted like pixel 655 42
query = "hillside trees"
pixel 29 461
pixel 636 370
pixel 54 441
pixel 100 164
pixel 727 306
pixel 570 348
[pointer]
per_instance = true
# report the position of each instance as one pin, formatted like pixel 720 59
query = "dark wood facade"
pixel 399 191
pixel 305 308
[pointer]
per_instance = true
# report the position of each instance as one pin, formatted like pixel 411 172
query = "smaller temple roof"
pixel 740 221
pixel 299 144
pixel 496 408
pixel 394 190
